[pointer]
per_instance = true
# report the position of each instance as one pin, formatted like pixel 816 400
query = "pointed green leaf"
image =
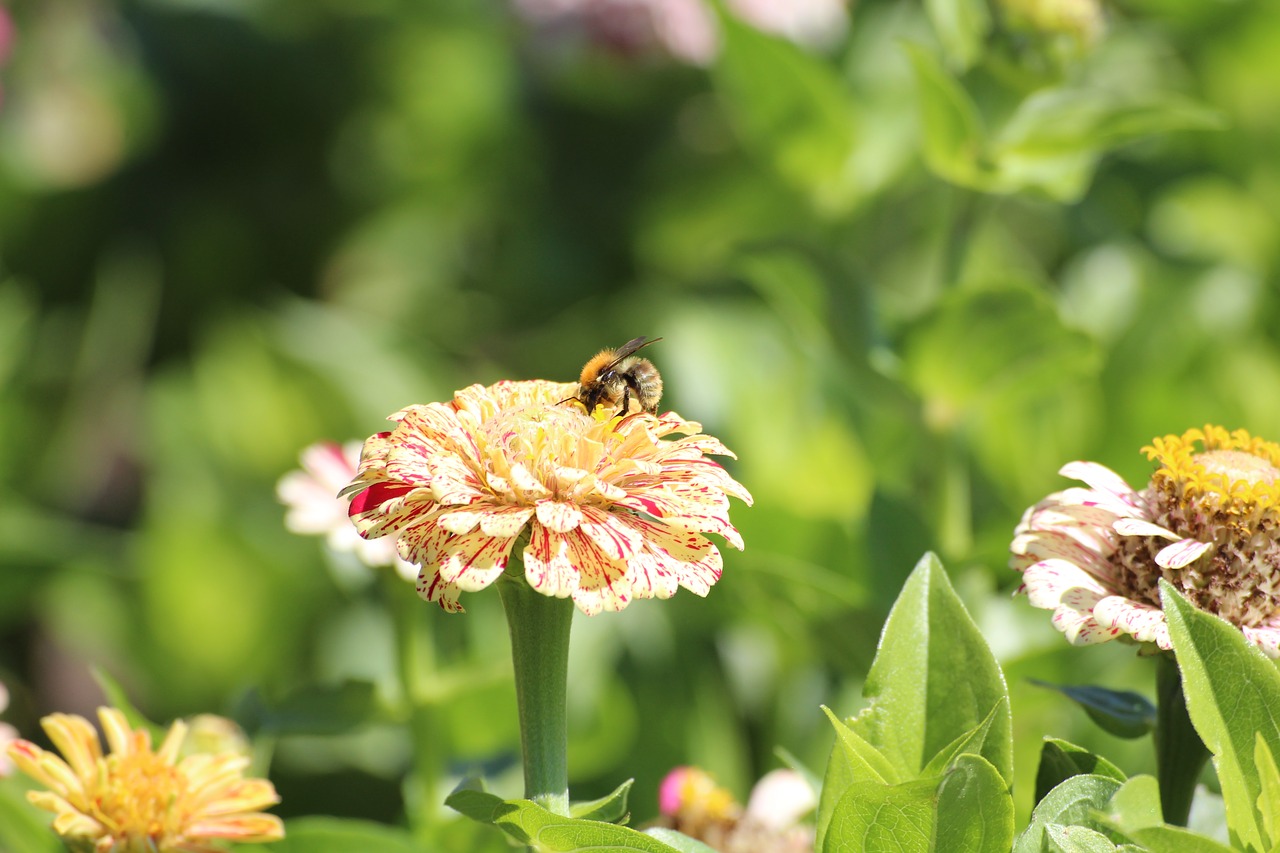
pixel 23 826
pixel 933 680
pixel 471 799
pixel 1232 692
pixel 117 697
pixel 971 743
pixel 1122 713
pixel 852 761
pixel 1136 805
pixel 610 808
pixel 1060 760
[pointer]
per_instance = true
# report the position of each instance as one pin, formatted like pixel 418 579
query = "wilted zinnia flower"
pixel 1208 522
pixel 136 800
pixel 692 802
pixel 611 508
pixel 311 496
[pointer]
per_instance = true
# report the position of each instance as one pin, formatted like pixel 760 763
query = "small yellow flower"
pixel 1208 522
pixel 136 800
pixel 611 509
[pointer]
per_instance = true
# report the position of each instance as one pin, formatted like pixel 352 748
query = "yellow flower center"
pixel 1235 473
pixel 139 797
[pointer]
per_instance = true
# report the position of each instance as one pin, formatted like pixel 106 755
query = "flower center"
pixel 1225 492
pixel 140 796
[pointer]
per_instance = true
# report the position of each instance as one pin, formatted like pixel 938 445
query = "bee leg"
pixel 626 401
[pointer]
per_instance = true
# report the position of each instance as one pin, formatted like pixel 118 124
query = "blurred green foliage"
pixel 905 280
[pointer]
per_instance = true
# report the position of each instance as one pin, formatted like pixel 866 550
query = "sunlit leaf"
pixel 1232 691
pixel 1060 760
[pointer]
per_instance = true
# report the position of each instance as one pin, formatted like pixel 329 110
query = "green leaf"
pixel 961 25
pixel 871 816
pixel 791 110
pixel 1055 138
pixel 1176 839
pixel 1269 799
pixel 22 826
pixel 1060 760
pixel 852 761
pixel 968 808
pixel 1136 805
pixel 975 808
pixel 471 799
pixel 529 823
pixel 1122 713
pixel 954 140
pixel 1232 691
pixel 934 680
pixel 117 697
pixel 1076 839
pixel 337 835
pixel 610 808
pixel 678 841
pixel 310 710
pixel 1079 801
pixel 971 743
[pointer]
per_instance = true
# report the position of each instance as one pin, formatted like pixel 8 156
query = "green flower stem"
pixel 539 626
pixel 1180 754
pixel 415 661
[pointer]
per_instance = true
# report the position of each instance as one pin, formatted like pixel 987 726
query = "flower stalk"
pixel 1180 753
pixel 539 627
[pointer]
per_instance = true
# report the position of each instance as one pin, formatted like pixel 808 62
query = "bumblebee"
pixel 618 376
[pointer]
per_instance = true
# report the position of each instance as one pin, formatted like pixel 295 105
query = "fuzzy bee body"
pixel 618 376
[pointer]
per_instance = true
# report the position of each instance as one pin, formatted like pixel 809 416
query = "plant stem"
pixel 414 661
pixel 539 626
pixel 1180 754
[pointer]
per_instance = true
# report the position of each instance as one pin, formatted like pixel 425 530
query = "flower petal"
pixel 1139 527
pixel 1074 618
pixel 432 588
pixel 1182 553
pixel 1141 621
pixel 1047 582
pixel 1100 477
pixel 558 516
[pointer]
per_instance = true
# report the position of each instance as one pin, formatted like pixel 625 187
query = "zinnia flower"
pixel 611 509
pixel 135 800
pixel 692 802
pixel 1208 522
pixel 7 734
pixel 314 507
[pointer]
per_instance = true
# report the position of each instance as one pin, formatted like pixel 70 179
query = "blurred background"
pixel 907 260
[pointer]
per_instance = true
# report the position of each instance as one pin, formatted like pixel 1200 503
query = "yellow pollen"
pixel 1231 469
pixel 141 796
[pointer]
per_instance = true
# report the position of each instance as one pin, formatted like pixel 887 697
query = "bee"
pixel 618 376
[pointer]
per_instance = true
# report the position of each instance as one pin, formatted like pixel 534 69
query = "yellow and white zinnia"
pixel 610 509
pixel 138 800
pixel 1208 522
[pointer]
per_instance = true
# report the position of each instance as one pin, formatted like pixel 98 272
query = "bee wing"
pixel 628 348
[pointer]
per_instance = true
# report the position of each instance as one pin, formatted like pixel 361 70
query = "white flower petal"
pixel 1266 638
pixel 780 799
pixel 1048 582
pixel 1141 621
pixel 1099 477
pixel 1181 554
pixel 1139 527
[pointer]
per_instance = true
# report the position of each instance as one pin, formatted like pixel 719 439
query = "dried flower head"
pixel 612 509
pixel 1208 522
pixel 692 802
pixel 136 800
